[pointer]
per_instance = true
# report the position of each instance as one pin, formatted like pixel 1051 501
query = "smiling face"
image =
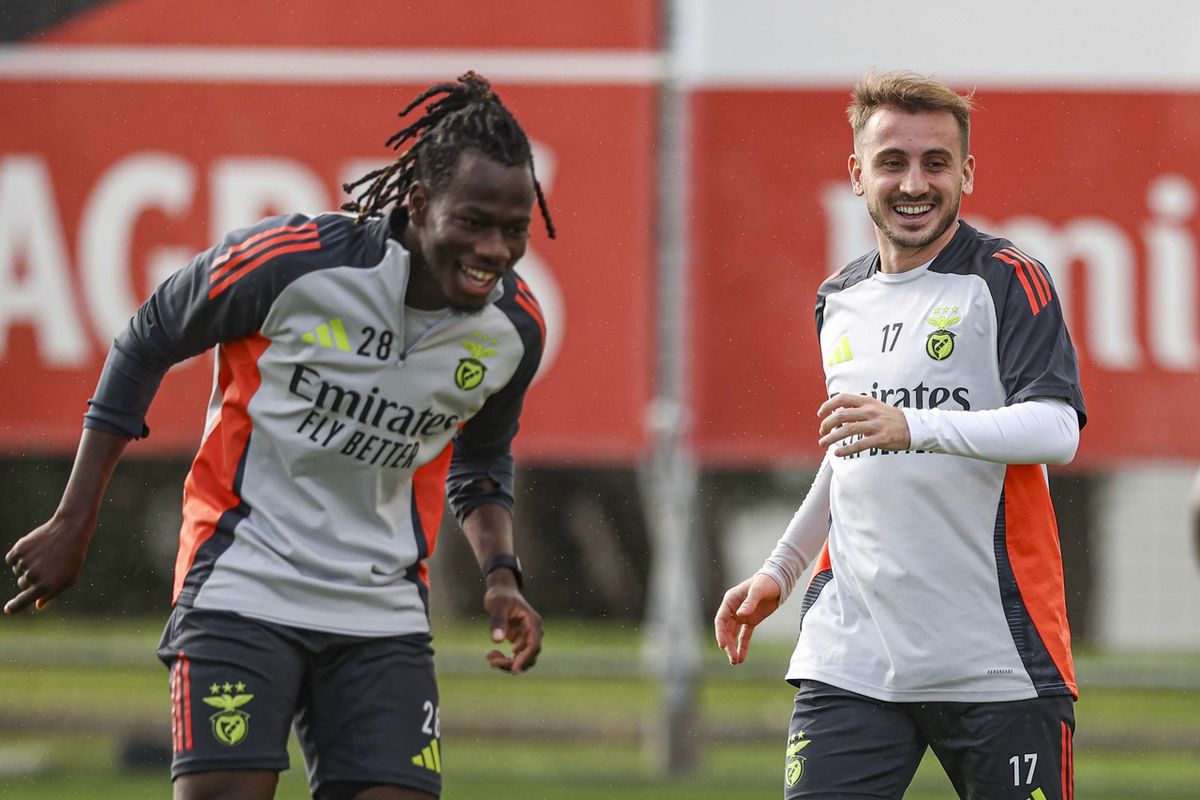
pixel 911 169
pixel 466 235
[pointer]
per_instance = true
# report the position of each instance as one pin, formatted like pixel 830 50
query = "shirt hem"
pixel 915 695
pixel 310 624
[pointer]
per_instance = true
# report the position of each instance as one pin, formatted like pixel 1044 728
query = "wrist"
pixel 76 519
pixel 504 563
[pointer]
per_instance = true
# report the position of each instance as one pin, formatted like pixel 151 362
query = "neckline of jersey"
pixel 903 277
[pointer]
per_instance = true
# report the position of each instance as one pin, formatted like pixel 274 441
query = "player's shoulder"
pixel 855 272
pixel 319 238
pixel 522 309
pixel 273 252
pixel 972 251
pixel 1008 270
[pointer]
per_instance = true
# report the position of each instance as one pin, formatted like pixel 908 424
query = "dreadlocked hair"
pixel 465 115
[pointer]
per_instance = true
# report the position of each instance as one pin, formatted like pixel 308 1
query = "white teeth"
pixel 478 275
pixel 914 210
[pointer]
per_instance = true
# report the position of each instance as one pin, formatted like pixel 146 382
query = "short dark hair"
pixel 464 115
pixel 909 92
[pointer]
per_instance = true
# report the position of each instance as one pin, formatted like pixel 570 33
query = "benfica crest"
pixel 939 345
pixel 230 724
pixel 470 371
pixel 793 768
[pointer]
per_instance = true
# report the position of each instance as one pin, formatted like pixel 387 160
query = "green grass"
pixel 576 727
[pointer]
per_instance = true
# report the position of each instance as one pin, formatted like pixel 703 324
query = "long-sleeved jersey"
pixel 941 579
pixel 330 440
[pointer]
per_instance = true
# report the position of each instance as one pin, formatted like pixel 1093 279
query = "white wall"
pixel 1147 592
pixel 1026 43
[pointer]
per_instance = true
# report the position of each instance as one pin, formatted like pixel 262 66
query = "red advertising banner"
pixel 108 184
pixel 1100 186
pixel 134 139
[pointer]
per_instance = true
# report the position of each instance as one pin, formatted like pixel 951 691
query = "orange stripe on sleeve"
pixel 208 490
pixel 309 234
pixel 1040 283
pixel 1033 551
pixel 258 237
pixel 523 288
pixel 1029 290
pixel 258 262
pixel 526 303
pixel 531 304
pixel 1039 272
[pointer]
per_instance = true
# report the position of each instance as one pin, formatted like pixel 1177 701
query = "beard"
pixel 914 240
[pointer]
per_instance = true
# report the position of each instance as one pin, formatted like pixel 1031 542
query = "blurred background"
pixel 694 157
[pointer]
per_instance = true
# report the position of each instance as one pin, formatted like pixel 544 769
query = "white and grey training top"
pixel 941 577
pixel 330 439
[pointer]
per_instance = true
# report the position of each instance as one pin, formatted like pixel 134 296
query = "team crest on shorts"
pixel 470 371
pixel 940 344
pixel 793 768
pixel 230 724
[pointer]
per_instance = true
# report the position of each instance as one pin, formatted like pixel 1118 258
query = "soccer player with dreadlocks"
pixel 366 365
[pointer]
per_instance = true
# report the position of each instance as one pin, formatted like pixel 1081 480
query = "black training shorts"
pixel 365 709
pixel 844 745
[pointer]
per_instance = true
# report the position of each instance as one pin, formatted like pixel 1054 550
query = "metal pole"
pixel 671 644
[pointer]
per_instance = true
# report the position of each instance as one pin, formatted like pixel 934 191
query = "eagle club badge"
pixel 230 724
pixel 470 370
pixel 940 344
pixel 793 768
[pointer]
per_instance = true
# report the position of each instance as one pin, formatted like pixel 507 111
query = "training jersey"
pixel 330 440
pixel 941 578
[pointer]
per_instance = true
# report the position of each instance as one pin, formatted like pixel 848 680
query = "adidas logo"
pixel 841 353
pixel 1038 794
pixel 430 759
pixel 331 335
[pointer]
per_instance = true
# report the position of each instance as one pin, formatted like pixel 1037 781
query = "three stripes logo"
pixel 527 301
pixel 331 335
pixel 1038 794
pixel 430 758
pixel 841 353
pixel 251 254
pixel 1032 276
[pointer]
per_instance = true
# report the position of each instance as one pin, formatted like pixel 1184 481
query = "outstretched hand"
pixel 742 608
pixel 46 562
pixel 512 620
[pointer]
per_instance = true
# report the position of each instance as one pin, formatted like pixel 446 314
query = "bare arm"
pixel 744 606
pixel 48 560
pixel 488 528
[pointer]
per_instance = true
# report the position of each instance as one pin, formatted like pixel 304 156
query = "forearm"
pixel 804 535
pixel 48 559
pixel 95 461
pixel 489 530
pixel 1041 431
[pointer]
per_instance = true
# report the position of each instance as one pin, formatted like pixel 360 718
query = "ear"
pixel 418 204
pixel 855 168
pixel 968 175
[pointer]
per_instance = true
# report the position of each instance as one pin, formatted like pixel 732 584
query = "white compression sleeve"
pixel 1040 431
pixel 804 535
